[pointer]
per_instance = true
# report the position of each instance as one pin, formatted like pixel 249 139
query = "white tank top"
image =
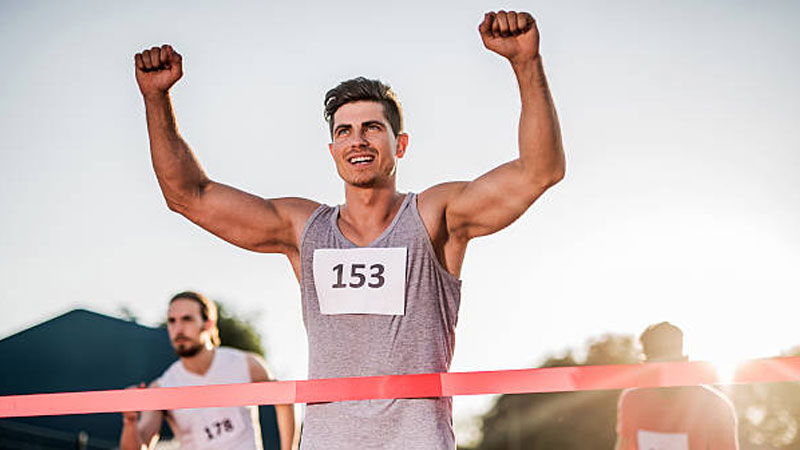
pixel 214 428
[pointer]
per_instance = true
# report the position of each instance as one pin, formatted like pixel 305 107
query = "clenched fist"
pixel 510 34
pixel 158 69
pixel 131 417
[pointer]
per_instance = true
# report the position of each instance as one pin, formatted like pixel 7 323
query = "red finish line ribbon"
pixel 555 379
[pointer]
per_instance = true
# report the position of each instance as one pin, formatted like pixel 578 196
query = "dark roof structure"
pixel 80 351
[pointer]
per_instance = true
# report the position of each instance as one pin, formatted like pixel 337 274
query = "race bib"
pixel 216 427
pixel 652 440
pixel 361 280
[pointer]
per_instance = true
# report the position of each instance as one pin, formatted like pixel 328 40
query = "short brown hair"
pixel 208 310
pixel 663 341
pixel 363 89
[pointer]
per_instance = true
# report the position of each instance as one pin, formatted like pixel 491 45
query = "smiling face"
pixel 188 331
pixel 364 146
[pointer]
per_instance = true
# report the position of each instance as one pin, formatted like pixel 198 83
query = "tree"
pixel 563 420
pixel 768 413
pixel 237 332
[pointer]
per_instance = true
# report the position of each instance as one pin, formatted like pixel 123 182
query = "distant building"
pixel 80 351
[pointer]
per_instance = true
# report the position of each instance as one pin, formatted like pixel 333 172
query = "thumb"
pixel 174 57
pixel 485 27
pixel 169 57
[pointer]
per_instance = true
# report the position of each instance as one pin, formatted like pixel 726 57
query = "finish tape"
pixel 555 379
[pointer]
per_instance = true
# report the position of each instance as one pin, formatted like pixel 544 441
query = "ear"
pixel 402 144
pixel 330 148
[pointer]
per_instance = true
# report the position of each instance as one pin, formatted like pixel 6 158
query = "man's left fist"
pixel 510 34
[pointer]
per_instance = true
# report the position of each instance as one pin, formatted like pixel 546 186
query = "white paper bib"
pixel 652 440
pixel 216 427
pixel 361 280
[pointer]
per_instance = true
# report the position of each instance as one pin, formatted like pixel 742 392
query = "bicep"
pixel 247 220
pixel 492 201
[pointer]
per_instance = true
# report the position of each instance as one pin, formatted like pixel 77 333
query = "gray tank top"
pixel 421 340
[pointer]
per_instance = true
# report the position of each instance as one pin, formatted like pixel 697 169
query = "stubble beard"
pixel 359 180
pixel 373 179
pixel 362 183
pixel 188 352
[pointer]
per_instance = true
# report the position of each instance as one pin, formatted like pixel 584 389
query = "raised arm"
pixel 497 198
pixel 243 219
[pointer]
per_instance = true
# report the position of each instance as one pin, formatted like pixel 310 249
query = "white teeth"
pixel 360 159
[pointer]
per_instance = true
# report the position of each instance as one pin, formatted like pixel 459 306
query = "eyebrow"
pixel 341 126
pixel 183 317
pixel 363 124
pixel 371 122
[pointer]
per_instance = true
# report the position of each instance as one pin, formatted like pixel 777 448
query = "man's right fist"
pixel 158 69
pixel 132 417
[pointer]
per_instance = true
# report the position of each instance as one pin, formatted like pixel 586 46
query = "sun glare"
pixel 726 369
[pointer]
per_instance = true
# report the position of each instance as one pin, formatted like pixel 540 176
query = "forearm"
pixel 541 154
pixel 130 439
pixel 179 173
pixel 285 418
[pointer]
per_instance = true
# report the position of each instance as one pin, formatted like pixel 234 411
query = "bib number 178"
pixel 359 276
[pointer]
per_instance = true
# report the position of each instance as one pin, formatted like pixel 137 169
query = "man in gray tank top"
pixel 379 274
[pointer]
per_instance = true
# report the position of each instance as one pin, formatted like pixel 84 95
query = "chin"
pixel 361 182
pixel 188 351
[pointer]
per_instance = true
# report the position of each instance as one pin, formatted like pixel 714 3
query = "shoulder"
pixel 717 397
pixel 233 355
pixel 440 194
pixel 626 396
pixel 296 210
pixel 433 202
pixel 636 399
pixel 297 205
pixel 257 367
pixel 310 218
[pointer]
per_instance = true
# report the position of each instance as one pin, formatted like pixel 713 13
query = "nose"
pixel 360 138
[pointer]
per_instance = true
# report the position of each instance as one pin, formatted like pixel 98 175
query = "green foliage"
pixel 126 313
pixel 613 349
pixel 562 420
pixel 237 332
pixel 768 413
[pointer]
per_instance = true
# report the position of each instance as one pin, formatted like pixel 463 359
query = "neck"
pixel 199 363
pixel 367 212
pixel 365 205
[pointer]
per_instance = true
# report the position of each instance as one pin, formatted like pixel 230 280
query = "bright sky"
pixel 680 121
